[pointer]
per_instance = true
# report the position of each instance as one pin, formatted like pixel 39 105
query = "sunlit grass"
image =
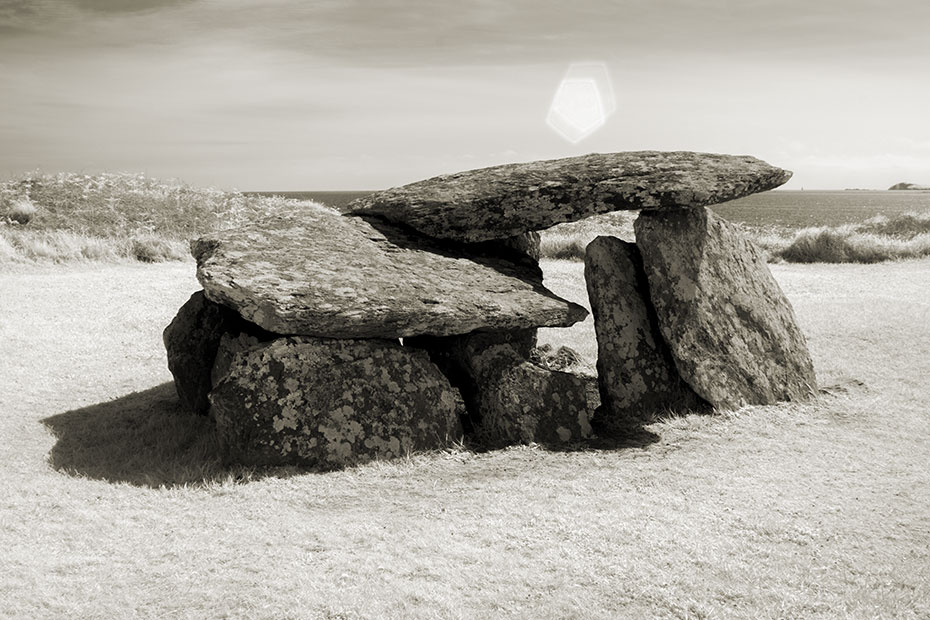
pixel 107 217
pixel 875 240
pixel 117 505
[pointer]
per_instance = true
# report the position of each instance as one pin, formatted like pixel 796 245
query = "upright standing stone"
pixel 636 375
pixel 730 329
pixel 329 403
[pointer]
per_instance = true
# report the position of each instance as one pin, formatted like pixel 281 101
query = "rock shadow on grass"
pixel 146 439
pixel 142 438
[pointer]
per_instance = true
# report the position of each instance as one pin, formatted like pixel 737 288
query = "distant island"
pixel 908 186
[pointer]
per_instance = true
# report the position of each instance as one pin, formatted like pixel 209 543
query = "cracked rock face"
pixel 504 201
pixel 329 403
pixel 191 341
pixel 317 273
pixel 510 399
pixel 730 329
pixel 636 375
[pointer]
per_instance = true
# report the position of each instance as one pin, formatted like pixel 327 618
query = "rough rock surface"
pixel 563 358
pixel 317 273
pixel 731 331
pixel 191 341
pixel 329 403
pixel 503 201
pixel 636 375
pixel 510 399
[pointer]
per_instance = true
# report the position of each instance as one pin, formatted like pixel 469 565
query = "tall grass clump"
pixel 568 241
pixel 64 217
pixel 878 239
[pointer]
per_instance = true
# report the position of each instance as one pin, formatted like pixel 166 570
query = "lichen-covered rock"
pixel 636 375
pixel 314 272
pixel 329 403
pixel 563 358
pixel 730 329
pixel 191 342
pixel 510 399
pixel 503 201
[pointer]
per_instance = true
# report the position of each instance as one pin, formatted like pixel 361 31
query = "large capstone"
pixel 509 398
pixel 191 342
pixel 329 403
pixel 504 201
pixel 729 327
pixel 314 272
pixel 636 375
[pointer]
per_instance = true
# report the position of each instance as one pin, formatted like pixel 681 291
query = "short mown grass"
pixel 116 505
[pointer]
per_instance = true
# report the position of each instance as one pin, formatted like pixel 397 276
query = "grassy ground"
pixel 113 217
pixel 120 217
pixel 115 506
pixel 877 239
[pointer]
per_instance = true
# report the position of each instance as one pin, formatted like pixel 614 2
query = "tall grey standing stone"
pixel 191 342
pixel 329 403
pixel 314 272
pixel 731 330
pixel 636 375
pixel 504 201
pixel 510 399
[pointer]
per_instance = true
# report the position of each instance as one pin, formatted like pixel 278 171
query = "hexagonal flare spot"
pixel 582 102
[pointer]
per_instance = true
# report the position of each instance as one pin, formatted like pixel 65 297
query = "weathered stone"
pixel 503 201
pixel 316 273
pixel 729 327
pixel 562 358
pixel 191 342
pixel 510 399
pixel 329 403
pixel 521 249
pixel 636 375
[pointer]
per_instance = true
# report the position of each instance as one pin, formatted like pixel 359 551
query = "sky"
pixel 369 94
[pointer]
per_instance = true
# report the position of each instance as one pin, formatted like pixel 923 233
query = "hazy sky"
pixel 365 94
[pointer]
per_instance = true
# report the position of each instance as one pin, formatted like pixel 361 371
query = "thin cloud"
pixel 479 32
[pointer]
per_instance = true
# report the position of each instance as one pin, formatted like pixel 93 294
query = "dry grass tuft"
pixel 846 244
pixel 568 241
pixel 19 210
pixel 875 240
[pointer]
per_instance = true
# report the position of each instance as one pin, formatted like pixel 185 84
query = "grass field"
pixel 119 217
pixel 115 506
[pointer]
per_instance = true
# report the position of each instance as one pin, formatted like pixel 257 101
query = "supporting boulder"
pixel 191 342
pixel 636 375
pixel 729 327
pixel 510 399
pixel 329 403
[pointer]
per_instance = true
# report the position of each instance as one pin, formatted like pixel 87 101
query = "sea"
pixel 778 209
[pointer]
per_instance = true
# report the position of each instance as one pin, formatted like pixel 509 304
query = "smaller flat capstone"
pixel 315 272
